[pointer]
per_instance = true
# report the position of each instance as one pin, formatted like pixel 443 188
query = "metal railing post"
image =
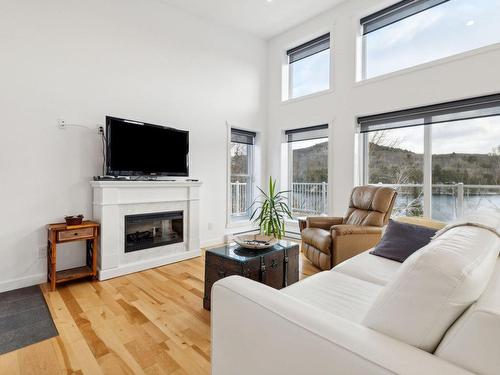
pixel 238 202
pixel 460 200
pixel 323 193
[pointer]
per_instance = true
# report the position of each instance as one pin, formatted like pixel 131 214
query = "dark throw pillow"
pixel 400 240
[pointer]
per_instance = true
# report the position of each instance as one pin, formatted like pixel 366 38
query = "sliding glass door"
pixel 465 167
pixel 396 158
pixel 443 160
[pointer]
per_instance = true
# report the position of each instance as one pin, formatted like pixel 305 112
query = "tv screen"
pixel 135 149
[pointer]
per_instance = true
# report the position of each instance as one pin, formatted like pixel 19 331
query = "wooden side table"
pixel 88 231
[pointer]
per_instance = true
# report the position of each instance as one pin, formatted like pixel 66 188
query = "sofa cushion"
pixel 473 341
pixel 368 267
pixel 319 238
pixel 435 286
pixel 400 240
pixel 336 293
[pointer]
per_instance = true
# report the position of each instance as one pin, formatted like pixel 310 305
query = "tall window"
pixel 444 159
pixel 413 32
pixel 309 67
pixel 395 158
pixel 242 166
pixel 307 154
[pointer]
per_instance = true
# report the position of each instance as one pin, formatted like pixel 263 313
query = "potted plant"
pixel 271 211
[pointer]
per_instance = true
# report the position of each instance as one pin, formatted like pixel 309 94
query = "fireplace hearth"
pixel 145 231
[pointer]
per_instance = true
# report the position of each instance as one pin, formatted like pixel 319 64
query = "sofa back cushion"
pixel 434 286
pixel 370 205
pixel 473 341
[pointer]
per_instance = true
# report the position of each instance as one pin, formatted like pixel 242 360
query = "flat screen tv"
pixel 138 149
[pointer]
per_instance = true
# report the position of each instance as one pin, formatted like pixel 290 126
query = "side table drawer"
pixel 68 235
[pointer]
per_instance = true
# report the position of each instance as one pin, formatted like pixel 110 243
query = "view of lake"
pixel 310 199
pixel 445 206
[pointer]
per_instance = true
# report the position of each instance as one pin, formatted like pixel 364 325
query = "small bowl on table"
pixel 73 220
pixel 255 241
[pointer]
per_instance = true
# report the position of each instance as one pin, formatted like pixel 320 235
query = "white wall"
pixel 83 60
pixel 469 75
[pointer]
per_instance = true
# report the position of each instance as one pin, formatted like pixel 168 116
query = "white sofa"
pixel 437 313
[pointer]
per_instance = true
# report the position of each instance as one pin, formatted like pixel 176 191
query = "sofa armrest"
pixel 259 330
pixel 347 229
pixel 323 222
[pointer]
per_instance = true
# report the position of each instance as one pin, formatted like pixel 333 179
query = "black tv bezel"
pixel 110 172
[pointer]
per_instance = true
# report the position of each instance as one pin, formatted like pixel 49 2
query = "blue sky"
pixel 311 74
pixel 478 136
pixel 448 29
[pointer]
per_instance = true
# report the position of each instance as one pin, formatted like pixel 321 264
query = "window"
pixel 396 158
pixel 307 170
pixel 444 159
pixel 242 166
pixel 309 67
pixel 413 32
pixel 465 167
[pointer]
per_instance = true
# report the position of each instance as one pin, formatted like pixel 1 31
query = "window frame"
pixel 460 110
pixel 361 69
pixel 288 91
pixel 251 159
pixel 287 161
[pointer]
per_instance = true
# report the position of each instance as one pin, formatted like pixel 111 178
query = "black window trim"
pixel 458 110
pixel 290 132
pixel 312 47
pixel 395 13
pixel 245 137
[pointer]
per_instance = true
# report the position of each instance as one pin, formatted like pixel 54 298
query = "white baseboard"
pixel 23 282
pixel 146 264
pixel 213 242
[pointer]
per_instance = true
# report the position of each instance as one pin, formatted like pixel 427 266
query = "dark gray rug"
pixel 24 319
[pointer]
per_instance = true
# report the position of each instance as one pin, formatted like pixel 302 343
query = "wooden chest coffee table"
pixel 277 266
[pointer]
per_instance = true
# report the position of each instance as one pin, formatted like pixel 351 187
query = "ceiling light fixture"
pixel 470 23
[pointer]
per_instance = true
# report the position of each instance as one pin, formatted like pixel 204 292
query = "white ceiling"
pixel 262 18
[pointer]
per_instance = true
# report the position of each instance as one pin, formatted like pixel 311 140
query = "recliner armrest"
pixel 347 229
pixel 323 222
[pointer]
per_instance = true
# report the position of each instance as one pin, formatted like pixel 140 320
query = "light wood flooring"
pixel 150 322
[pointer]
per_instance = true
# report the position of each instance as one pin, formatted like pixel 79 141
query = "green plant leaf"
pixel 270 210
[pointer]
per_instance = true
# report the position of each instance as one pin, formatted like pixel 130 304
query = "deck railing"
pixel 449 201
pixel 239 198
pixel 304 199
pixel 308 198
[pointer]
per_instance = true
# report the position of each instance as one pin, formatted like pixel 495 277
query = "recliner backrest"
pixel 370 205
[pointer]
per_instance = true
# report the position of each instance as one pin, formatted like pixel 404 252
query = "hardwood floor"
pixel 150 322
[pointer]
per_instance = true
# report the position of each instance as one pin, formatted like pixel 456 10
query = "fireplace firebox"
pixel 145 231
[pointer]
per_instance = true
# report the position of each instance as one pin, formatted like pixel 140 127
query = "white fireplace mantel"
pixel 113 200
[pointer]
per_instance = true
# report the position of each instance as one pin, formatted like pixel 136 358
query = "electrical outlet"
pixel 100 129
pixel 61 123
pixel 42 252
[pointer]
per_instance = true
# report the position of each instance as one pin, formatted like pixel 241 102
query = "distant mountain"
pixel 390 164
pixel 310 164
pixel 396 165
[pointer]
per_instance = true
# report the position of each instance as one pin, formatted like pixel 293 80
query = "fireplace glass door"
pixel 151 230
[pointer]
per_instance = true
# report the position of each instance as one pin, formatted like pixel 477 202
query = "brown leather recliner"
pixel 327 241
